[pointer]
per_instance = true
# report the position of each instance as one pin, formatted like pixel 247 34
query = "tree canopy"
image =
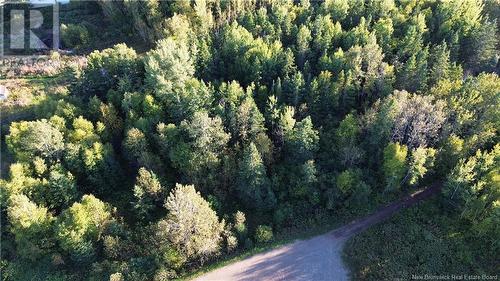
pixel 221 125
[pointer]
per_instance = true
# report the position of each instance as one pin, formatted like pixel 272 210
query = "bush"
pixel 231 243
pixel 418 246
pixel 282 215
pixel 74 36
pixel 263 234
pixel 240 227
pixel 116 277
pixel 248 244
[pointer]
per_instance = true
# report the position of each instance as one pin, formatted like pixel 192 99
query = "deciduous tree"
pixel 191 225
pixel 80 227
pixel 394 165
pixel 35 138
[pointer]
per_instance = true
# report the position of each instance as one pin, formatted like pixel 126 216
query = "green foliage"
pixel 346 181
pixel 384 30
pixel 60 190
pixel 324 98
pixel 450 153
pixel 481 52
pixel 354 191
pixel 83 132
pixel 394 165
pixel 95 165
pixel 325 32
pixel 240 113
pixel 474 186
pixel 303 39
pixel 20 181
pixel 108 67
pixel 143 111
pixel 147 193
pixel 366 64
pixel 421 161
pixel 74 36
pixel 109 116
pixel 195 147
pixel 303 183
pixel 168 68
pixel 347 138
pixel 138 150
pixel 188 211
pixel 337 9
pixel 253 185
pixel 302 141
pixel 35 138
pixel 441 67
pixel 413 74
pixel 79 228
pixel 457 17
pixel 245 59
pixel 472 105
pixel 283 109
pixel 31 226
pixel 422 241
pixel 263 234
pixel 240 227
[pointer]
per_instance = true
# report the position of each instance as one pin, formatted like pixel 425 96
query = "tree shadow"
pixel 316 259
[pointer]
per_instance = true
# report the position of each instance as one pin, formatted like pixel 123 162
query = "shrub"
pixel 248 244
pixel 116 277
pixel 240 227
pixel 263 234
pixel 231 243
pixel 74 36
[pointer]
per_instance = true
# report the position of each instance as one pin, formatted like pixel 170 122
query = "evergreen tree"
pixel 147 193
pixel 301 142
pixel 168 68
pixel 481 49
pixel 253 185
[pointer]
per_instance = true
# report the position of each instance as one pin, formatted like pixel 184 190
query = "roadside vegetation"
pixel 424 240
pixel 169 135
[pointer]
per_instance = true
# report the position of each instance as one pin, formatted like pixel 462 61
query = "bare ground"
pixel 318 258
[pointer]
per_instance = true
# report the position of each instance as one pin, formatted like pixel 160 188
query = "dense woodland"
pixel 234 122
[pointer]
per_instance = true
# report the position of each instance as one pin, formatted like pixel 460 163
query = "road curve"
pixel 317 259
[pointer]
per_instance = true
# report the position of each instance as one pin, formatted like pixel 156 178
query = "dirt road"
pixel 317 259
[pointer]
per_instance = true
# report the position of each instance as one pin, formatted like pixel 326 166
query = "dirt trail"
pixel 318 258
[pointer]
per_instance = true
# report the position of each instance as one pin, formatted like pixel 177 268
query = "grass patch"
pixel 26 95
pixel 417 241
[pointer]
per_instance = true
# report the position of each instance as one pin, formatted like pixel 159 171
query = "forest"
pixel 177 134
